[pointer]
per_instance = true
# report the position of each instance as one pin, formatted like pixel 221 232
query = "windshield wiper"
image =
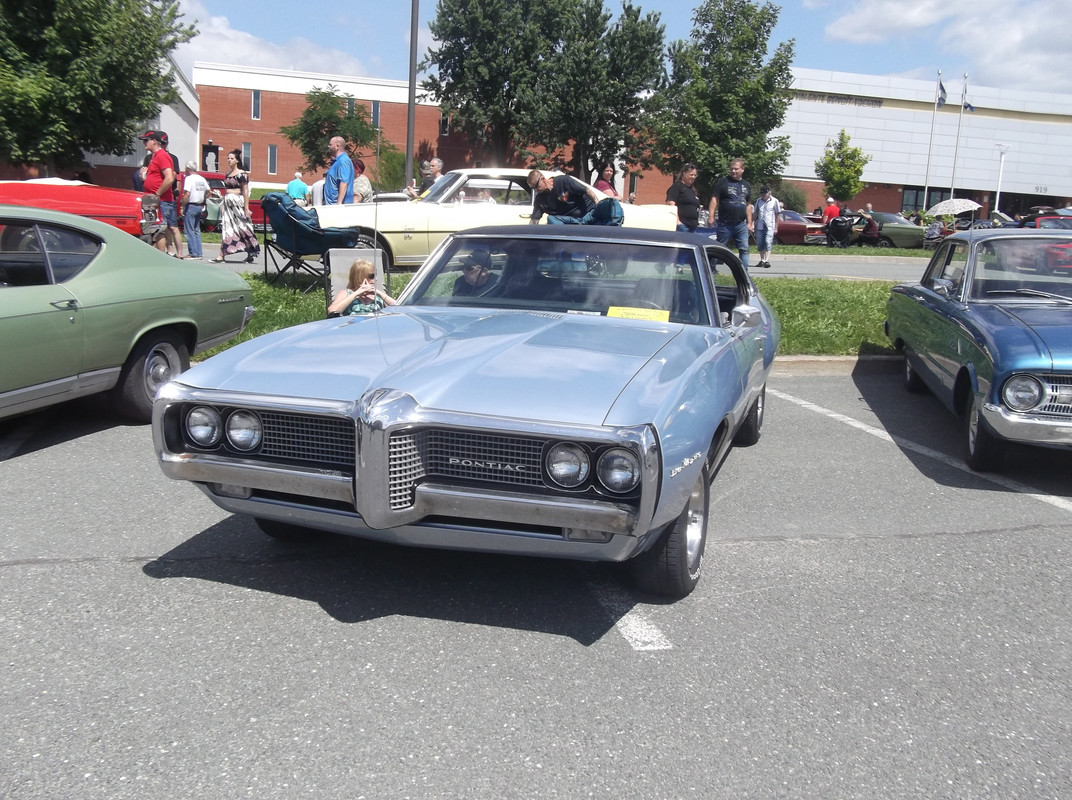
pixel 1031 293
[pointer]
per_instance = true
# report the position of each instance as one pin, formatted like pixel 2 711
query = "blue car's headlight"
pixel 1022 392
pixel 244 430
pixel 204 426
pixel 618 470
pixel 568 465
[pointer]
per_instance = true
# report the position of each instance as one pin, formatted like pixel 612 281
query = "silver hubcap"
pixel 160 365
pixel 973 425
pixel 694 526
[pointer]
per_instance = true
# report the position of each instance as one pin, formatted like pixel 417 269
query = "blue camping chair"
pixel 296 233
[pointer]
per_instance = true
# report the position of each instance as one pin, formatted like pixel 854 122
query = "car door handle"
pixel 65 305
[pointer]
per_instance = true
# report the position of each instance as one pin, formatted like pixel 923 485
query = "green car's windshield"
pixel 611 279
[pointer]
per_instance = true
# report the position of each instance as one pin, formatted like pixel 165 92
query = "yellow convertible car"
pixel 463 198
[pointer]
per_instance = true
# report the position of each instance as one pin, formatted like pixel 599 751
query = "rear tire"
pixel 983 451
pixel 884 242
pixel 748 434
pixel 912 382
pixel 672 566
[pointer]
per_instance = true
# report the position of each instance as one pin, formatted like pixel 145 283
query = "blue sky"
pixel 1011 44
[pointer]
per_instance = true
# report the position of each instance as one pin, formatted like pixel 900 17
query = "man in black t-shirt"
pixel 560 196
pixel 731 206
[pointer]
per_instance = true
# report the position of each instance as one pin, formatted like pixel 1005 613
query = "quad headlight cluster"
pixel 206 427
pixel 1026 392
pixel 570 466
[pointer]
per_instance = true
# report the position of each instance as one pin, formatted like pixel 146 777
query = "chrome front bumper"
pixel 1049 431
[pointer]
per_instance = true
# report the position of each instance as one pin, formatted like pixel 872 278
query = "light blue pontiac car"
pixel 988 329
pixel 565 391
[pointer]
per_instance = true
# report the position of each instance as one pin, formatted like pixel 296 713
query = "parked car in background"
pixel 121 208
pixel 1060 218
pixel 988 329
pixel 795 228
pixel 893 230
pixel 211 219
pixel 564 391
pixel 463 198
pixel 85 308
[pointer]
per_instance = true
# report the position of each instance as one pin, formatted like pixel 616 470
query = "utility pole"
pixel 1002 150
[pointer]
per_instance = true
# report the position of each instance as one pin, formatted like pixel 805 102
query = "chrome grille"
pixel 463 455
pixel 328 441
pixel 1057 383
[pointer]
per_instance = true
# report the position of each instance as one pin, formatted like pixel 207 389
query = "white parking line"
pixel 906 444
pixel 635 628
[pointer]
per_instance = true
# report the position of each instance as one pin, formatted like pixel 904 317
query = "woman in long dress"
pixel 235 222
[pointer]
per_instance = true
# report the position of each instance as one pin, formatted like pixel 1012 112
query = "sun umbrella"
pixel 955 205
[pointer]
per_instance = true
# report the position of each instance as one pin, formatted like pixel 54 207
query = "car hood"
pixel 1042 333
pixel 542 366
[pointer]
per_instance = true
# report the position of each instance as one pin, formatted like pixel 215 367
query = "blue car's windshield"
pixel 1029 268
pixel 613 279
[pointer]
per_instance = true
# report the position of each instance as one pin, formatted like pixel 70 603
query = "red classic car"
pixel 123 208
pixel 795 228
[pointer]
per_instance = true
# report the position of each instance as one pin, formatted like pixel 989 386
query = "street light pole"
pixel 1002 149
pixel 411 118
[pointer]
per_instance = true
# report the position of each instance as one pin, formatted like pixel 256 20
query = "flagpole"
pixel 930 141
pixel 956 147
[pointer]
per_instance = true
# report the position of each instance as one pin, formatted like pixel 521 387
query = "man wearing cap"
pixel 766 216
pixel 298 190
pixel 160 181
pixel 194 192
pixel 832 211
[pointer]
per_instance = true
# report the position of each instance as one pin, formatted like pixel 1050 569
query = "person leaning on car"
pixel 194 192
pixel 560 196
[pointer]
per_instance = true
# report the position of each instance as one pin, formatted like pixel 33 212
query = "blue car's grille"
pixel 297 437
pixel 461 455
pixel 1059 386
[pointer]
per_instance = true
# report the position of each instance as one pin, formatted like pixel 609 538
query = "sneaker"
pixel 765 265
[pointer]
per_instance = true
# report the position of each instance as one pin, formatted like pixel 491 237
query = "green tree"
pixel 841 166
pixel 329 114
pixel 79 75
pixel 724 95
pixel 594 88
pixel 790 195
pixel 488 62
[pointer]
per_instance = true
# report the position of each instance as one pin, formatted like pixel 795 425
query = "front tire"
pixel 156 359
pixel 672 566
pixel 983 451
pixel 884 242
pixel 748 433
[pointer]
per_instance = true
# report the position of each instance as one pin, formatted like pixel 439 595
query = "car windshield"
pixel 458 187
pixel 611 279
pixel 1023 269
pixel 793 216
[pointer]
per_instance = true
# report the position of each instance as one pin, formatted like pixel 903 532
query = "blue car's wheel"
pixel 912 382
pixel 983 451
pixel 672 566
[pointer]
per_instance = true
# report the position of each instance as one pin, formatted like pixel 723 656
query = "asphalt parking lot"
pixel 875 621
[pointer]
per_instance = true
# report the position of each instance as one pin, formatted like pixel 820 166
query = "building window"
pixel 247 156
pixel 256 112
pixel 350 106
pixel 376 113
pixel 272 159
pixel 444 125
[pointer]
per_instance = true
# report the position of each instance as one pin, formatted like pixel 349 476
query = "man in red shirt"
pixel 832 211
pixel 160 180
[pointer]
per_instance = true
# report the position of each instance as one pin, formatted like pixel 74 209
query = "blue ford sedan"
pixel 989 330
pixel 564 391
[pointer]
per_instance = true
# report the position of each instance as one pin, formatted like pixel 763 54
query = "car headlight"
pixel 568 465
pixel 244 430
pixel 204 426
pixel 1022 392
pixel 618 470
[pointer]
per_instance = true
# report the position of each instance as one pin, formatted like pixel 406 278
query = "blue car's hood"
pixel 549 367
pixel 1032 335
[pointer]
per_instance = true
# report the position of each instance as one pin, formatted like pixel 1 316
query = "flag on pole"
pixel 968 106
pixel 941 93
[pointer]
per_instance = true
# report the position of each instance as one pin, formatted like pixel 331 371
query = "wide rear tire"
pixel 672 566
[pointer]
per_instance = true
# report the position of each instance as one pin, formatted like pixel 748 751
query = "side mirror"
pixel 943 286
pixel 745 316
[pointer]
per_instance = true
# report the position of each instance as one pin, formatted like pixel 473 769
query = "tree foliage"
pixel 593 89
pixel 841 166
pixel 329 114
pixel 486 63
pixel 724 95
pixel 81 75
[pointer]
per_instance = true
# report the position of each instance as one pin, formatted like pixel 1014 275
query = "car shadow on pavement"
pixel 921 424
pixel 56 424
pixel 356 580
